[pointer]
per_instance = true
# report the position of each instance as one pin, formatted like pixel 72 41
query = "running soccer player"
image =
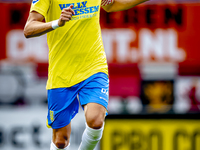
pixel 78 70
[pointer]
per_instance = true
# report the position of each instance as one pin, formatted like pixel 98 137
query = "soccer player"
pixel 78 70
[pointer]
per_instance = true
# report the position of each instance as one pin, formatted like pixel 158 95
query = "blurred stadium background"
pixel 154 66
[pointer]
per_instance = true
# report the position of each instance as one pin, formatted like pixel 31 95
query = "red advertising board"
pixel 158 33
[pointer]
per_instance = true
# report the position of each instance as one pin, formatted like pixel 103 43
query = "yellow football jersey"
pixel 75 50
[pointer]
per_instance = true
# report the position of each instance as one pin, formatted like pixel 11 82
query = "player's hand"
pixel 66 15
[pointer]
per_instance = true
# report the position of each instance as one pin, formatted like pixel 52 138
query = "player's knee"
pixel 61 143
pixel 95 122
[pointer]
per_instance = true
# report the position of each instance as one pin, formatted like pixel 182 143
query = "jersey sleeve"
pixel 40 6
pixel 106 2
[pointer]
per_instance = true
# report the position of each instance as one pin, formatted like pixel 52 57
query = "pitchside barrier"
pixel 152 132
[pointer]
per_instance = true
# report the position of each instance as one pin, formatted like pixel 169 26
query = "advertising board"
pixel 151 134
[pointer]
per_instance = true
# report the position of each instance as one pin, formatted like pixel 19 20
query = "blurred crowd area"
pixel 152 52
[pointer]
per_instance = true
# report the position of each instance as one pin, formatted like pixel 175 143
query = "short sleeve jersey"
pixel 75 50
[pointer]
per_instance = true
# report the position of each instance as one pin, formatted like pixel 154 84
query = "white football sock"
pixel 90 138
pixel 53 147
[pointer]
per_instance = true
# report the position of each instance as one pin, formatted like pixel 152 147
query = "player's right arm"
pixel 35 27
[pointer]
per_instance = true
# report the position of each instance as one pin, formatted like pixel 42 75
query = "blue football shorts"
pixel 63 103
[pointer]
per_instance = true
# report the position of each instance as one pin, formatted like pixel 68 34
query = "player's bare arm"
pixel 119 5
pixel 35 27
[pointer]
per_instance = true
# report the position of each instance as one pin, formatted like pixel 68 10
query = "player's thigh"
pixel 94 97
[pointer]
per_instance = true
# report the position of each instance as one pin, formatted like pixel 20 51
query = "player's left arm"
pixel 119 5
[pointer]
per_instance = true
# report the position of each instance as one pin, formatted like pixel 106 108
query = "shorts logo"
pixel 35 1
pixel 51 116
pixel 104 91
